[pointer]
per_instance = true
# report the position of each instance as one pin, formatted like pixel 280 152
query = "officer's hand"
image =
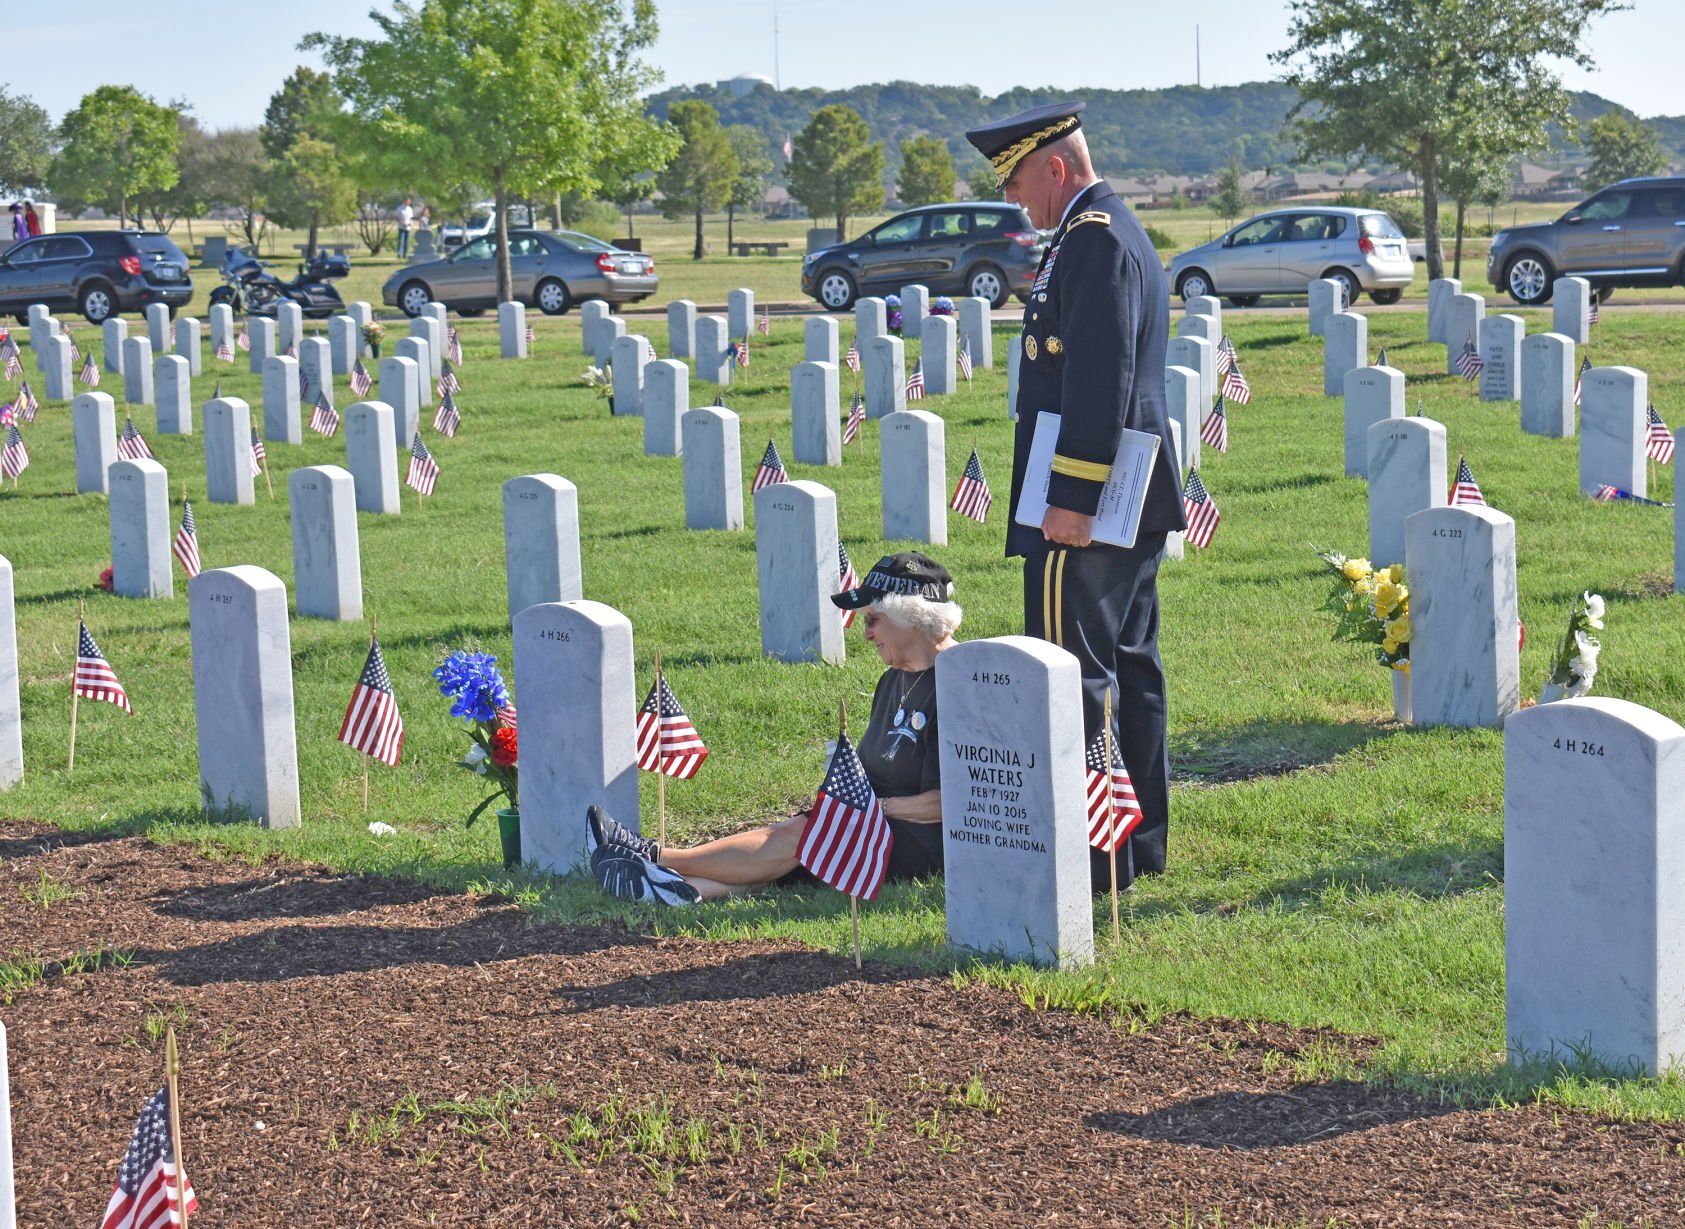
pixel 1067 528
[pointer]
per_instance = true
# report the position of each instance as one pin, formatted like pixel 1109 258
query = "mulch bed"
pixel 374 1052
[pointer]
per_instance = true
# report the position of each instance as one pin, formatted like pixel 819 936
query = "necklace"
pixel 906 690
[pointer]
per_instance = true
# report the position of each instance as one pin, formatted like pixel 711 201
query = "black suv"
pixel 988 250
pixel 1630 234
pixel 96 272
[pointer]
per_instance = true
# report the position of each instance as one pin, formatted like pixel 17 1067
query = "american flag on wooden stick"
pixel 770 470
pixel 1200 510
pixel 25 404
pixel 1109 825
pixel 856 418
pixel 1465 491
pixel 131 445
pixel 530 335
pixel 846 840
pixel 88 377
pixel 224 351
pixel 1469 362
pixel 372 724
pixel 742 355
pixel 453 345
pixel 1234 386
pixel 679 750
pixel 95 679
pixel 303 384
pixel 448 383
pixel 1592 311
pixel 1226 356
pixel 75 350
pixel 185 547
pixel 14 457
pixel 146 1193
pixel 448 418
pixel 1658 440
pixel 258 453
pixel 965 358
pixel 324 419
pixel 1585 366
pixel 915 382
pixel 291 350
pixel 243 339
pixel 1215 431
pixel 361 381
pixel 847 578
pixel 972 496
pixel 424 470
pixel 851 359
pixel 765 322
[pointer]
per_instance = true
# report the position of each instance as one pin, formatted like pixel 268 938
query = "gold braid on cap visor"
pixel 1008 159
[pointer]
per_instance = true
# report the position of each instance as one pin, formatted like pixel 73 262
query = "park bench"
pixel 771 248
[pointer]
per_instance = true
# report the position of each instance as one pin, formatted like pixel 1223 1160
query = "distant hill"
pixel 1184 130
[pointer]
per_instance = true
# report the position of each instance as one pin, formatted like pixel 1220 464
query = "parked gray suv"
pixel 1630 234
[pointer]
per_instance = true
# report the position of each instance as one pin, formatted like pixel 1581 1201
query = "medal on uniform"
pixel 1046 271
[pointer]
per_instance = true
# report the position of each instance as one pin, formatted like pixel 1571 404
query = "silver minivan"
pixel 1282 251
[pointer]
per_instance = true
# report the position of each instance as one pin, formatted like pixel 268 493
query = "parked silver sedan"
pixel 552 270
pixel 1283 251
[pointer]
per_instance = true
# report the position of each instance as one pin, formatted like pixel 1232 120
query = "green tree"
pixel 1397 80
pixel 305 105
pixel 984 183
pixel 241 175
pixel 927 172
pixel 194 190
pixel 116 145
pixel 27 143
pixel 699 178
pixel 754 168
pixel 309 189
pixel 1621 147
pixel 835 168
pixel 1474 169
pixel 527 97
pixel 1231 197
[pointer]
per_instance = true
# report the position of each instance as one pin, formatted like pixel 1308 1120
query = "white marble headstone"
pixel 939 355
pixel 11 764
pixel 713 468
pixel 713 363
pixel 1371 394
pixel 592 313
pixel 344 343
pixel 140 530
pixel 512 329
pixel 1614 430
pixel 666 400
pixel 975 314
pixel 1547 385
pixel 883 367
pixel 681 328
pixel 228 451
pixel 1464 651
pixel 187 343
pixel 914 474
pixel 1186 405
pixel 327 554
pixel 158 327
pixel 915 307
pixel 115 332
pixel 1345 346
pixel 796 565
pixel 137 371
pixel 1324 299
pixel 400 388
pixel 56 375
pixel 871 319
pixel 281 413
pixel 816 436
pixel 608 331
pixel 93 425
pixel 430 327
pixel 260 332
pixel 1406 475
pixel 1463 314
pixel 541 541
pixel 173 389
pixel 289 325
pixel 371 454
pixel 1500 352
pixel 1440 290
pixel 1571 309
pixel 415 350
pixel 1193 324
pixel 740 312
pixel 629 358
pixel 1196 354
pixel 819 340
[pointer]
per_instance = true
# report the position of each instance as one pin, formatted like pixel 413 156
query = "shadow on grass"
pixel 63 595
pixel 1263 749
pixel 1250 1121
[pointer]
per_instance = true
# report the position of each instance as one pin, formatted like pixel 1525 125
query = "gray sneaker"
pixel 606 830
pixel 625 873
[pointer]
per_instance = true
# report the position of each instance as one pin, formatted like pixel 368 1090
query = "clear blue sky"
pixel 227 57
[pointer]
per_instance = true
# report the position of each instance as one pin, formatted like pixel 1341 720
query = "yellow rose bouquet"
pixel 1372 606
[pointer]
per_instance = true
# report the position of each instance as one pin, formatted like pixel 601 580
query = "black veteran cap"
pixel 909 572
pixel 1006 142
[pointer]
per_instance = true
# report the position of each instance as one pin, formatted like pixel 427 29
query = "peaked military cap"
pixel 1006 142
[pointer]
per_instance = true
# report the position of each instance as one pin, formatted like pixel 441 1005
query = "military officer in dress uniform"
pixel 1094 338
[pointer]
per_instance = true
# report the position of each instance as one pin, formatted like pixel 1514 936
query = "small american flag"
pixel 361 382
pixel 851 360
pixel 146 1191
pixel 531 336
pixel 1216 429
pixel 448 383
pixel 965 359
pixel 8 347
pixel 847 579
pixel 131 445
pixel 1658 442
pixel 1226 356
pixel 669 745
pixel 1381 358
pixel 915 382
pixel 258 453
pixel 88 377
pixel 453 345
pixel 1201 511
pixel 506 715
pixel 95 679
pixel 75 350
pixel 743 353
pixel 1235 387
pixel 224 351
pixel 1469 362
pixel 324 419
pixel 424 470
pixel 292 349
pixel 1592 313
pixel 856 418
pixel 1585 366
pixel 1109 825
pixel 303 384
pixel 770 470
pixel 448 418
pixel 972 497
pixel 372 724
pixel 846 840
pixel 186 545
pixel 25 403
pixel 1465 491
pixel 14 458
pixel 243 339
pixel 14 368
pixel 765 323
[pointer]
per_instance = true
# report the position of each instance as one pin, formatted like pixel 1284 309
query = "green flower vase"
pixel 509 832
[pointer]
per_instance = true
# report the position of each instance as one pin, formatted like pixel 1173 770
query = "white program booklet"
pixel 1118 517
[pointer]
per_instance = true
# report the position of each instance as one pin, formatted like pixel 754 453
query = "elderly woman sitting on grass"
pixel 909 615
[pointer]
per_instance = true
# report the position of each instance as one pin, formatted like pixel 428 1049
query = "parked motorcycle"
pixel 252 290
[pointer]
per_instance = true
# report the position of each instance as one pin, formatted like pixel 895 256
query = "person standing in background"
pixel 406 215
pixel 20 228
pixel 31 219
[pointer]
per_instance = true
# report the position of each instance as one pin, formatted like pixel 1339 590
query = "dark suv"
pixel 1630 234
pixel 989 250
pixel 96 272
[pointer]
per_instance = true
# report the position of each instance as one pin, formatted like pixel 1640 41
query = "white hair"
pixel 937 620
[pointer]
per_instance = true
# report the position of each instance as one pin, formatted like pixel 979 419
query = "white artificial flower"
pixel 476 759
pixel 1578 686
pixel 1589 649
pixel 375 829
pixel 1594 609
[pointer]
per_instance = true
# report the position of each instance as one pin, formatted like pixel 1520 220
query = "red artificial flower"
pixel 105 579
pixel 503 747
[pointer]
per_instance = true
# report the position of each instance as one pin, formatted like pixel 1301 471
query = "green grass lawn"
pixel 1327 867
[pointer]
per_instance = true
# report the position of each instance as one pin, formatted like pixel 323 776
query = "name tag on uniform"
pixel 1118 518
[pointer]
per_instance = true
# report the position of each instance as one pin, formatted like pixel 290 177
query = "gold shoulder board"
pixel 1092 215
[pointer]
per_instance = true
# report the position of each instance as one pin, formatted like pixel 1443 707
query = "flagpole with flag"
pixel 172 1078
